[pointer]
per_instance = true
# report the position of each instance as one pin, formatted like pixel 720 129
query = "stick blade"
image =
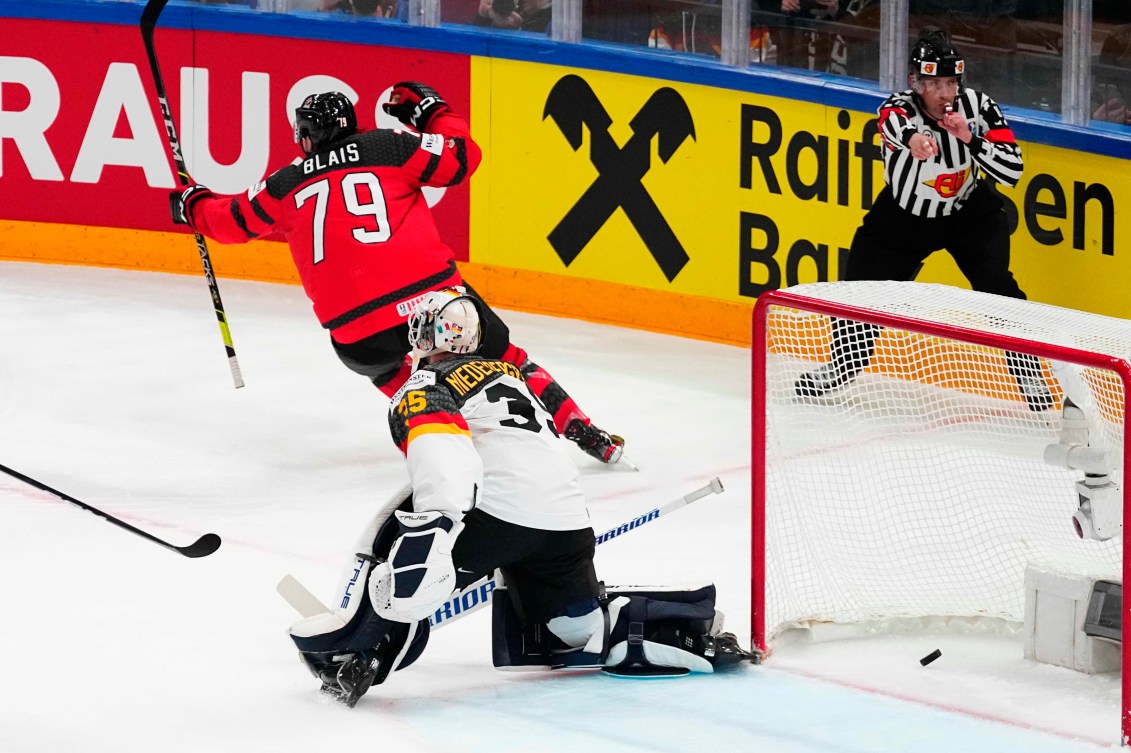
pixel 304 602
pixel 202 547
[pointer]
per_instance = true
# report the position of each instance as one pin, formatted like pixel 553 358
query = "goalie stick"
pixel 478 594
pixel 202 547
pixel 149 16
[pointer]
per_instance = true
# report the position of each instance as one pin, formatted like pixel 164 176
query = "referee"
pixel 938 140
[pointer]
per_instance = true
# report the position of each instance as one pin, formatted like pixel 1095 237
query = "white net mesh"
pixel 918 488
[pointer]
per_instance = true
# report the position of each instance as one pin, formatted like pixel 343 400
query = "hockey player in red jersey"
pixel 364 241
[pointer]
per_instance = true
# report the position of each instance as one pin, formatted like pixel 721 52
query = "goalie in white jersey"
pixel 493 487
pixel 943 145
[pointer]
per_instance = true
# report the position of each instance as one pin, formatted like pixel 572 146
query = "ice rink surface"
pixel 114 388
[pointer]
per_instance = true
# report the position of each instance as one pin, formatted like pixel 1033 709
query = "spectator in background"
pixel 857 55
pixel 535 15
pixel 498 14
pixel 1112 74
pixel 831 51
pixel 797 40
pixel 696 31
pixel 812 8
pixel 525 15
pixel 989 23
pixel 395 9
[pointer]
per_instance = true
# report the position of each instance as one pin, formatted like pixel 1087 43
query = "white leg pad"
pixel 576 632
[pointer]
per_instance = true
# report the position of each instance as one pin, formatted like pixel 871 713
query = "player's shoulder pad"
pixel 387 147
pixel 284 180
pixel 421 378
pixel 398 135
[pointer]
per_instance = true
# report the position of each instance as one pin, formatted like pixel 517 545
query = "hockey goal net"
pixel 917 489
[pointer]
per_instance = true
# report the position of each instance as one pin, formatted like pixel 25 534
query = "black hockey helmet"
pixel 934 55
pixel 323 119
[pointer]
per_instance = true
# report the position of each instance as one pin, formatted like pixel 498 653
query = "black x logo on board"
pixel 573 105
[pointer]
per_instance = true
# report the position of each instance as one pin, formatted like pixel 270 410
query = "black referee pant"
pixel 892 243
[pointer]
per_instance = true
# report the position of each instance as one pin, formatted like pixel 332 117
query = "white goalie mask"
pixel 446 321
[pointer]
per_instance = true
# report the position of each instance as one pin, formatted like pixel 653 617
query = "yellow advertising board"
pixel 608 186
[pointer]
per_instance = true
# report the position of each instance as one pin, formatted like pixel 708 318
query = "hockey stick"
pixel 306 603
pixel 202 547
pixel 149 16
pixel 478 594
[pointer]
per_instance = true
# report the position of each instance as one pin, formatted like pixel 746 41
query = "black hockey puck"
pixel 930 657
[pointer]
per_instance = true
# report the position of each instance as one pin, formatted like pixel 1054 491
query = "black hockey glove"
pixel 180 202
pixel 415 104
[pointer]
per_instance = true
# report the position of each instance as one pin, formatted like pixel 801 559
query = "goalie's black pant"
pixel 548 573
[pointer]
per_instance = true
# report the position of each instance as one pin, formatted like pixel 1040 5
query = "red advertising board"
pixel 82 141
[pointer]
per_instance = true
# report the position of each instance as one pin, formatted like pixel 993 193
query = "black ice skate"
pixel 347 681
pixel 820 381
pixel 723 651
pixel 1027 372
pixel 600 444
pixel 1036 392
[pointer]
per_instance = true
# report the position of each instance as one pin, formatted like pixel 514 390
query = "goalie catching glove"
pixel 415 104
pixel 419 575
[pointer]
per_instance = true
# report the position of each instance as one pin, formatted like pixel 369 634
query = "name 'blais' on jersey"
pixel 940 185
pixel 467 418
pixel 360 231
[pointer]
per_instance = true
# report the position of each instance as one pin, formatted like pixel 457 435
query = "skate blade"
pixel 339 696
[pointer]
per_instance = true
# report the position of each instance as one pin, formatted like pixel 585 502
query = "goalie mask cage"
pixel 918 490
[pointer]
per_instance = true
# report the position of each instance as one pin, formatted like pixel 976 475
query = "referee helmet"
pixel 934 55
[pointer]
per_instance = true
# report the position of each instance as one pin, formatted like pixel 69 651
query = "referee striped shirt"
pixel 940 185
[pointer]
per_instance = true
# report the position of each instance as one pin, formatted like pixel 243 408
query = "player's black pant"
pixel 546 572
pixel 381 355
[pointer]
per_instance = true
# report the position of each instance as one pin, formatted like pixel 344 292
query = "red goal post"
pixel 917 489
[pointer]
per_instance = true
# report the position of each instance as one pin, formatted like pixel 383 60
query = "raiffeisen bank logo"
pixel 573 105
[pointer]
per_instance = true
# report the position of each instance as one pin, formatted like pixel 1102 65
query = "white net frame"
pixel 918 490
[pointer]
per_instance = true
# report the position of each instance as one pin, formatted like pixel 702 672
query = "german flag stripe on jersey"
pixel 435 423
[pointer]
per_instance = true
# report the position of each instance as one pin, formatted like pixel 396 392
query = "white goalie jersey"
pixel 475 436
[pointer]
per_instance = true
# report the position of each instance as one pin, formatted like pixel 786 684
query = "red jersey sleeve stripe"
pixel 887 111
pixel 1001 136
pixel 438 418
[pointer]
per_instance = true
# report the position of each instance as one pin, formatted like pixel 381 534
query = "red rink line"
pixel 945 707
